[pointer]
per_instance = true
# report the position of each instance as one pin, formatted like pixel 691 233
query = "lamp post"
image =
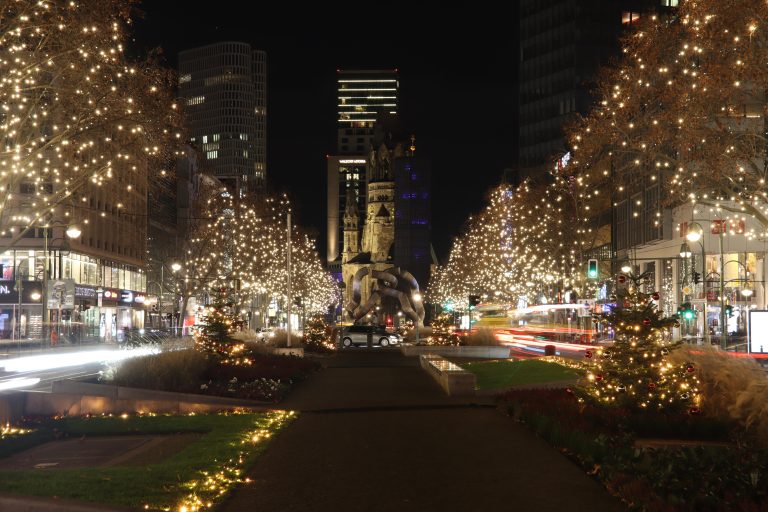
pixel 417 298
pixel 175 267
pixel 72 231
pixel 695 234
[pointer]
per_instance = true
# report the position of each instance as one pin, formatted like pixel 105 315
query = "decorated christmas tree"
pixel 635 372
pixel 221 322
pixel 443 331
pixel 316 336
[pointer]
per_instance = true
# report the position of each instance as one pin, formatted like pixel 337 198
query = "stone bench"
pixel 455 380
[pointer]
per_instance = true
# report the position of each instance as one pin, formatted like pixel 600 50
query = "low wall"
pixel 454 380
pixel 288 351
pixel 74 398
pixel 483 352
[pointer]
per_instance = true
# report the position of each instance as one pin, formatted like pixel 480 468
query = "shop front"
pixel 21 317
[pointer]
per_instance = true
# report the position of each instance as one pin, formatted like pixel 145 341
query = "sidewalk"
pixel 377 434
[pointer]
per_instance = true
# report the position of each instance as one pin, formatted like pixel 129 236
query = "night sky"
pixel 458 92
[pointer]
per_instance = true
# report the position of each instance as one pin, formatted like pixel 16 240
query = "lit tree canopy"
pixel 685 106
pixel 524 241
pixel 73 110
pixel 244 242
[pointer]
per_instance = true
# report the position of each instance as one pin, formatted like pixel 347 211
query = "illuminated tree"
pixel 75 112
pixel 316 337
pixel 685 107
pixel 219 323
pixel 443 331
pixel 636 370
pixel 523 244
pixel 241 245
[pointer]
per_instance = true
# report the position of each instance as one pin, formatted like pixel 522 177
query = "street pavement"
pixel 376 433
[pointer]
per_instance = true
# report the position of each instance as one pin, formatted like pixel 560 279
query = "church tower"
pixel 351 231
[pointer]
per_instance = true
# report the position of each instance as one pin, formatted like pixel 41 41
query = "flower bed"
pixel 680 477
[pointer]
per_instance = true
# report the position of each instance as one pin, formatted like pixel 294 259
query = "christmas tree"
pixel 316 337
pixel 635 372
pixel 220 322
pixel 443 331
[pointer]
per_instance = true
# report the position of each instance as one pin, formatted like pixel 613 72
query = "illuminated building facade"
pixel 224 87
pixel 362 96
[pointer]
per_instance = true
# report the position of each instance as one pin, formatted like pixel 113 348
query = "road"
pixel 35 369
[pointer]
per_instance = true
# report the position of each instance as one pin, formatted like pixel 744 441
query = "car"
pixel 358 335
pixel 264 333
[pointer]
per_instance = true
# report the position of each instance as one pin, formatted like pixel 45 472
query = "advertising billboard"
pixel 758 331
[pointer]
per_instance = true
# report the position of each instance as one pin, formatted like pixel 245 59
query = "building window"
pixel 211 155
pixel 185 78
pixel 669 3
pixel 629 17
pixel 196 100
pixel 27 188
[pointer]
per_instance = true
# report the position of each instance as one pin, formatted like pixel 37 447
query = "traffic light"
pixel 686 311
pixel 729 310
pixel 696 277
pixel 297 302
pixel 592 271
pixel 474 300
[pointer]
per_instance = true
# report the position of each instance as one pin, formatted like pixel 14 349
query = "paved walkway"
pixel 377 434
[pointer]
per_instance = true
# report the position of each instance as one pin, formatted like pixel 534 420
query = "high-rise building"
pixel 413 215
pixel 363 96
pixel 562 45
pixel 224 86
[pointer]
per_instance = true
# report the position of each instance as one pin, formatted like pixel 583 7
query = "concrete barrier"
pixel 454 379
pixel 483 352
pixel 288 351
pixel 74 398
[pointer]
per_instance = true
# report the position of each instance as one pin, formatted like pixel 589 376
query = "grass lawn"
pixel 504 374
pixel 228 447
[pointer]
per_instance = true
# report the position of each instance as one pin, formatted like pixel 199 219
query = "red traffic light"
pixel 621 279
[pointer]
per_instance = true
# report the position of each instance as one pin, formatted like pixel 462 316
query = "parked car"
pixel 358 335
pixel 264 333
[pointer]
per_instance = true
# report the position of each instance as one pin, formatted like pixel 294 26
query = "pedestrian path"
pixel 377 434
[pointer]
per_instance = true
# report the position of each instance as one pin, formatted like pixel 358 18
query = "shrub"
pixel 730 387
pixel 179 370
pixel 482 337
pixel 280 339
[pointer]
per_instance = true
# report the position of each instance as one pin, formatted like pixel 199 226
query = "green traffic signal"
pixel 592 271
pixel 689 314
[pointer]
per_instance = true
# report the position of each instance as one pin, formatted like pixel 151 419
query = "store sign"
pixel 9 294
pixel 85 292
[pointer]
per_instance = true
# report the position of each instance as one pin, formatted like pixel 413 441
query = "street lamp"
pixel 72 231
pixel 626 267
pixel 417 298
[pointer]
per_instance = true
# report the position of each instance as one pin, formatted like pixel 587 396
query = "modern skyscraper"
pixel 224 86
pixel 363 96
pixel 562 45
pixel 413 215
